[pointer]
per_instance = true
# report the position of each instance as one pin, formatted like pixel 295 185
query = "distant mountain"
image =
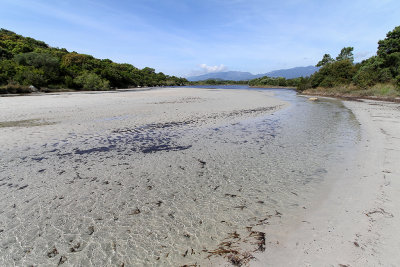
pixel 241 76
pixel 226 75
pixel 292 73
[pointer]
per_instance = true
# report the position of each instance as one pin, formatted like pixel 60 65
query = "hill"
pixel 292 72
pixel 25 61
pixel 226 75
pixel 242 76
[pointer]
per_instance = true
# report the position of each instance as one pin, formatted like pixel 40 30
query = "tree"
pixel 337 73
pixel 148 70
pixel 390 44
pixel 346 54
pixel 325 60
pixel 27 75
pixel 7 71
pixel 38 60
pixel 44 63
pixel 368 73
pixel 75 63
pixel 5 54
pixel 26 61
pixel 303 83
pixel 91 81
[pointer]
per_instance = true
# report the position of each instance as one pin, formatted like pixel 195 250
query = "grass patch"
pixel 379 90
pixel 384 90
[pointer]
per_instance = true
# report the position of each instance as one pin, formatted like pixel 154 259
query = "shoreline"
pixel 353 97
pixel 354 221
pixel 72 91
pixel 272 87
pixel 133 89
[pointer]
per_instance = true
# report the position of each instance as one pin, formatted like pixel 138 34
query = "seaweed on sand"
pixel 233 250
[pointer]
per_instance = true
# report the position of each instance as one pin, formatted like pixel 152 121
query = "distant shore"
pixel 272 86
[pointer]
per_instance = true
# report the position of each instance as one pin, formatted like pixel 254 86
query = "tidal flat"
pixel 166 177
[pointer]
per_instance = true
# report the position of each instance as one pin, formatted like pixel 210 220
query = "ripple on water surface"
pixel 169 194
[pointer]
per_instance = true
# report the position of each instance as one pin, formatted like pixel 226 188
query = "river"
pixel 178 193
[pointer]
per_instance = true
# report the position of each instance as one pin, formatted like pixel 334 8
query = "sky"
pixel 193 37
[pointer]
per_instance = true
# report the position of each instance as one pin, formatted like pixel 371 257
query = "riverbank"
pixel 351 97
pixel 355 221
pixel 380 92
pixel 26 91
pixel 272 87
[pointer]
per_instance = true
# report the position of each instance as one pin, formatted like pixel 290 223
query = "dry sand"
pixel 355 221
pixel 101 111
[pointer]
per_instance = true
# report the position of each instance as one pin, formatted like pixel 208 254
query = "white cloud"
pixel 209 69
pixel 204 69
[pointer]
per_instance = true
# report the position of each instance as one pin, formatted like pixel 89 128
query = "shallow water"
pixel 167 194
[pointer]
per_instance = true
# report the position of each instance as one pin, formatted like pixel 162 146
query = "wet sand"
pixel 197 176
pixel 355 220
pixel 120 178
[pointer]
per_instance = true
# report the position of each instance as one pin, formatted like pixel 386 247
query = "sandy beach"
pixel 355 221
pixel 206 177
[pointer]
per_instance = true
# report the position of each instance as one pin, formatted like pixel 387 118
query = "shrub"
pixel 398 82
pixel 30 76
pixel 366 76
pixel 14 88
pixel 91 81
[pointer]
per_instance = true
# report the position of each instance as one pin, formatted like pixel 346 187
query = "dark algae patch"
pixel 165 147
pixel 92 150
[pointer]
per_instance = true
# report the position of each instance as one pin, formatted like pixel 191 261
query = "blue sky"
pixel 186 37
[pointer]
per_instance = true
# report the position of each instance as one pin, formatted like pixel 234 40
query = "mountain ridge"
pixel 241 75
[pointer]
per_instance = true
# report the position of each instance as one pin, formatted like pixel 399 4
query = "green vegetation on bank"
pixel 258 82
pixel 376 76
pixel 25 61
pixel 275 82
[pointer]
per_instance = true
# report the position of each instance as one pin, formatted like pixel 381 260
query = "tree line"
pixel 264 81
pixel 274 81
pixel 25 61
pixel 218 82
pixel 380 69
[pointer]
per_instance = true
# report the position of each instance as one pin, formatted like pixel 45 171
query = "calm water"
pixel 171 194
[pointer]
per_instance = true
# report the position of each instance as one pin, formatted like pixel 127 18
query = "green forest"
pixel 378 75
pixel 25 61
